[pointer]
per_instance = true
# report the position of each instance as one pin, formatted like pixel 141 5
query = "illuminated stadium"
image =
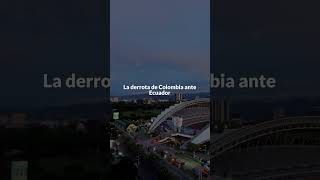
pixel 194 117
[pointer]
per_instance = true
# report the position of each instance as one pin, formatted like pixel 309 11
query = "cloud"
pixel 163 41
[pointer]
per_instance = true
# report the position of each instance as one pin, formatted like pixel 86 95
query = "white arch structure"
pixel 203 136
pixel 169 112
pixel 229 141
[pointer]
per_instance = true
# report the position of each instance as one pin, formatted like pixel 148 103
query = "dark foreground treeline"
pixel 68 152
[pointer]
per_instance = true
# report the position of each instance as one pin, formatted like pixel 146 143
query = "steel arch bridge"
pixel 243 135
pixel 193 112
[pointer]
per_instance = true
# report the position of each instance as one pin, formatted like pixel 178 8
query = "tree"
pixel 192 147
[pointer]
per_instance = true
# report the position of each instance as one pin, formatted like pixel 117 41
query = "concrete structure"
pixel 221 115
pixel 178 97
pixel 186 114
pixel 283 148
pixel 240 136
pixel 192 112
pixel 202 137
pixel 114 99
pixel 177 123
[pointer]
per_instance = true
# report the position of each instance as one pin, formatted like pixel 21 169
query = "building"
pixel 17 120
pixel 220 113
pixel 114 99
pixel 163 100
pixel 178 97
pixel 177 123
pixel 148 101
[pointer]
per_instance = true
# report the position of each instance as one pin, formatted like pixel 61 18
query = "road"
pixel 145 169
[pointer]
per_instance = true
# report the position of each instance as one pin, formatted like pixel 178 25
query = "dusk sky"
pixel 274 38
pixel 54 37
pixel 160 42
